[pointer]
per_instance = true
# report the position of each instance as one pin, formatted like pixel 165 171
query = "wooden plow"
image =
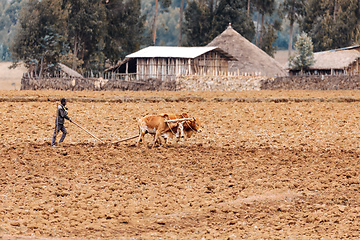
pixel 125 139
pixel 88 132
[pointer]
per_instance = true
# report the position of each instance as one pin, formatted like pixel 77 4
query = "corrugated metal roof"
pixel 340 49
pixel 175 52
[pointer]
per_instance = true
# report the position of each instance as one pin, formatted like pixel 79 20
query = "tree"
pixel 234 12
pixel 331 23
pixel 264 7
pixel 269 37
pixel 197 24
pixel 86 31
pixel 39 41
pixel 204 20
pixel 9 14
pixel 305 56
pixel 294 10
pixel 165 4
pixel 82 33
pixel 180 21
pixel 124 29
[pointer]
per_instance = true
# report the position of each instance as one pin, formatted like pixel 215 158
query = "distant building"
pixel 334 62
pixel 64 72
pixel 166 63
pixel 249 58
pixel 68 72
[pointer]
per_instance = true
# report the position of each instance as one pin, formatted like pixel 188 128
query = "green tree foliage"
pixel 168 28
pixel 268 39
pixel 305 56
pixel 264 8
pixel 167 24
pixel 40 40
pixel 293 10
pixel 165 4
pixel 269 23
pixel 332 23
pixel 86 31
pixel 9 13
pixel 198 25
pixel 132 26
pixel 206 19
pixel 234 12
pixel 82 33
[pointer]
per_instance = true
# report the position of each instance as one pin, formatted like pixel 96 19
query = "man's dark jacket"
pixel 62 114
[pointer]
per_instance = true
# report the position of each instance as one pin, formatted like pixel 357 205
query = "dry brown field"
pixel 259 170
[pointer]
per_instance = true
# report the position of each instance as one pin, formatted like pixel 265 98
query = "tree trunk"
pixel 74 65
pixel 290 38
pixel 261 29
pixel 248 8
pixel 83 52
pixel 335 9
pixel 41 66
pixel 292 20
pixel 257 30
pixel 154 26
pixel 180 23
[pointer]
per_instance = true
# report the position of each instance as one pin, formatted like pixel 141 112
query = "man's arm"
pixel 64 114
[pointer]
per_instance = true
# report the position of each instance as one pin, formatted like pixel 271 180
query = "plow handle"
pixel 87 131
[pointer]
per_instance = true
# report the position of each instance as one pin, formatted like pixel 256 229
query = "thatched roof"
pixel 251 59
pixel 69 71
pixel 335 59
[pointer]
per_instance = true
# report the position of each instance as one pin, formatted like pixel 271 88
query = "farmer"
pixel 61 115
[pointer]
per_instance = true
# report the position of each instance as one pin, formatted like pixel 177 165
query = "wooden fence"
pixel 95 84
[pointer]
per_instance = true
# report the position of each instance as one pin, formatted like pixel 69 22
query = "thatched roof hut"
pixel 337 61
pixel 250 58
pixel 63 72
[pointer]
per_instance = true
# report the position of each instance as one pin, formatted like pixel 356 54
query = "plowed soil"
pixel 259 170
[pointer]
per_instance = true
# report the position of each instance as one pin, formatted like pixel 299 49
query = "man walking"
pixel 62 114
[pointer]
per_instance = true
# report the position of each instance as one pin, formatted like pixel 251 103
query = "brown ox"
pixel 156 125
pixel 186 128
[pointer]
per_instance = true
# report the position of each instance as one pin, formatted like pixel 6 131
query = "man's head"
pixel 63 101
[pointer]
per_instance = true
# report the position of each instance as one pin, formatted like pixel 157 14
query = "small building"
pixel 65 71
pixel 335 62
pixel 166 63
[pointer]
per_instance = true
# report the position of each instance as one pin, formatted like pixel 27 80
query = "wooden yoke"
pixel 179 120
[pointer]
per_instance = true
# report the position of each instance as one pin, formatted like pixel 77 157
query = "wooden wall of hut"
pixel 211 63
pixel 162 68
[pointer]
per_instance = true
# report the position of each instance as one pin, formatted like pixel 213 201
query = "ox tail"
pixel 126 139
